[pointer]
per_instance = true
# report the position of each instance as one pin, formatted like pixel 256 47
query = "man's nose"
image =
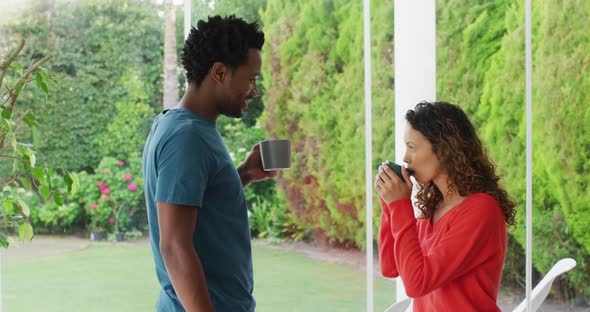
pixel 254 92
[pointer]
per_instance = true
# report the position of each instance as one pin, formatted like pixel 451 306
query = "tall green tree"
pixel 481 67
pixel 170 59
pixel 314 84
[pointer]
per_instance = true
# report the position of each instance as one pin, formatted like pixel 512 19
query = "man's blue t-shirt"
pixel 186 162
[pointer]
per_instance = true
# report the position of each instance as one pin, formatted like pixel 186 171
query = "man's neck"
pixel 199 100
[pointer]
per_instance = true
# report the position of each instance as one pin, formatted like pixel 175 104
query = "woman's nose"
pixel 406 158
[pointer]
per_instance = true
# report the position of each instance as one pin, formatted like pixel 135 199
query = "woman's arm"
pixel 386 242
pixel 464 246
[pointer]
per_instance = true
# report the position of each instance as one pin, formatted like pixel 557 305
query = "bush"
pixel 130 125
pixel 113 197
pixel 315 99
pixel 46 215
pixel 96 47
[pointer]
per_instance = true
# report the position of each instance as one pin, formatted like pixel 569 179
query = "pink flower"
pixel 111 220
pixel 120 163
pixel 94 206
pixel 106 170
pixel 132 187
pixel 105 191
pixel 102 186
pixel 127 176
pixel 105 198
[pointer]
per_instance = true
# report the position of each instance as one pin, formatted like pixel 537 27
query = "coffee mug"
pixel 398 170
pixel 275 154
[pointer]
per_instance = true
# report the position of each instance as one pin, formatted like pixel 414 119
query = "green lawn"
pixel 108 277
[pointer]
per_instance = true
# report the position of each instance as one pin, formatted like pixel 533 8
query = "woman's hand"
pixel 390 187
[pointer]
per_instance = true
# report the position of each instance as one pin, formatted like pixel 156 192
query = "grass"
pixel 107 277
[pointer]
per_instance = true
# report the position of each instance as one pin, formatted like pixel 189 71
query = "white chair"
pixel 541 291
pixel 538 294
pixel 402 306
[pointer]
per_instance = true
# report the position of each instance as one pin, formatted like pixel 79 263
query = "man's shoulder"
pixel 177 128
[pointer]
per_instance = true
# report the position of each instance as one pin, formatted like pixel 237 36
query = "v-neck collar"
pixel 461 203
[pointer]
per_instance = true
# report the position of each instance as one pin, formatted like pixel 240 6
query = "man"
pixel 194 194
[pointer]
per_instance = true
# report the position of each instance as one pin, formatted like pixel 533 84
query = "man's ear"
pixel 219 72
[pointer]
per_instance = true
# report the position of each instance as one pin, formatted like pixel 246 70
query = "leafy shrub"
pixel 113 196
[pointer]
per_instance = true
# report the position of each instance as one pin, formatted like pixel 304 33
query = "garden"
pixel 81 81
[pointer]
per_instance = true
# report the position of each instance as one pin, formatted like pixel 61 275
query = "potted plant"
pixel 99 212
pixel 98 234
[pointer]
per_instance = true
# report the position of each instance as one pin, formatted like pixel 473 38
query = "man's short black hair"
pixel 219 39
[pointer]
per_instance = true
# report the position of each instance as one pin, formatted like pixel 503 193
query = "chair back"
pixel 542 289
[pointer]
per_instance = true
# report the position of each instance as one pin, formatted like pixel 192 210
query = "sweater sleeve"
pixel 463 247
pixel 386 241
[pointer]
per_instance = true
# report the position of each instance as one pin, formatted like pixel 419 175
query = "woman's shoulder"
pixel 482 204
pixel 482 198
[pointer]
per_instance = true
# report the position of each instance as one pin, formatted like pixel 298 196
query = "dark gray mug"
pixel 275 154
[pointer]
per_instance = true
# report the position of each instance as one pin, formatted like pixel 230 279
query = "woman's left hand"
pixel 390 187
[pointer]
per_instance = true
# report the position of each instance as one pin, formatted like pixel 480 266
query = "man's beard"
pixel 232 113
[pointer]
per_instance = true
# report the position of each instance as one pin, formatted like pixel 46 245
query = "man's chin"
pixel 237 114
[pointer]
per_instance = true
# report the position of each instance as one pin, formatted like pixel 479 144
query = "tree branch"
pixel 22 115
pixel 23 79
pixel 8 93
pixel 4 65
pixel 7 156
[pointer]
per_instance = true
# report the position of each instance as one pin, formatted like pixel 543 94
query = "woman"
pixel 450 257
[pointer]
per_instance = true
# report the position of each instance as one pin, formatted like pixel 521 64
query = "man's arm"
pixel 177 224
pixel 244 176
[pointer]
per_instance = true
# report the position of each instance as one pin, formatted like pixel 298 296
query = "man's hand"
pixel 251 169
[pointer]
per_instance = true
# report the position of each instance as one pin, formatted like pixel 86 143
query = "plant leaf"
pixel 6 114
pixel 30 120
pixel 45 191
pixel 44 87
pixel 25 232
pixel 26 184
pixel 58 198
pixel 16 65
pixel 3 241
pixel 7 206
pixel 39 79
pixel 39 174
pixel 24 207
pixel 72 181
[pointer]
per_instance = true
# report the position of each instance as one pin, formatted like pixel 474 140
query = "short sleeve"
pixel 182 169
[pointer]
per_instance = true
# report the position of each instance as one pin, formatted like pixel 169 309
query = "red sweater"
pixel 454 265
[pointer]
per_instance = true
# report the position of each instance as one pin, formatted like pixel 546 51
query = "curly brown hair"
pixel 461 154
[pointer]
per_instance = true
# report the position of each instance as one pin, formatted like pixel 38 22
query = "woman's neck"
pixel 442 183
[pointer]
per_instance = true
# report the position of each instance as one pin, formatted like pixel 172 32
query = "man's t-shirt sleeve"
pixel 182 163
